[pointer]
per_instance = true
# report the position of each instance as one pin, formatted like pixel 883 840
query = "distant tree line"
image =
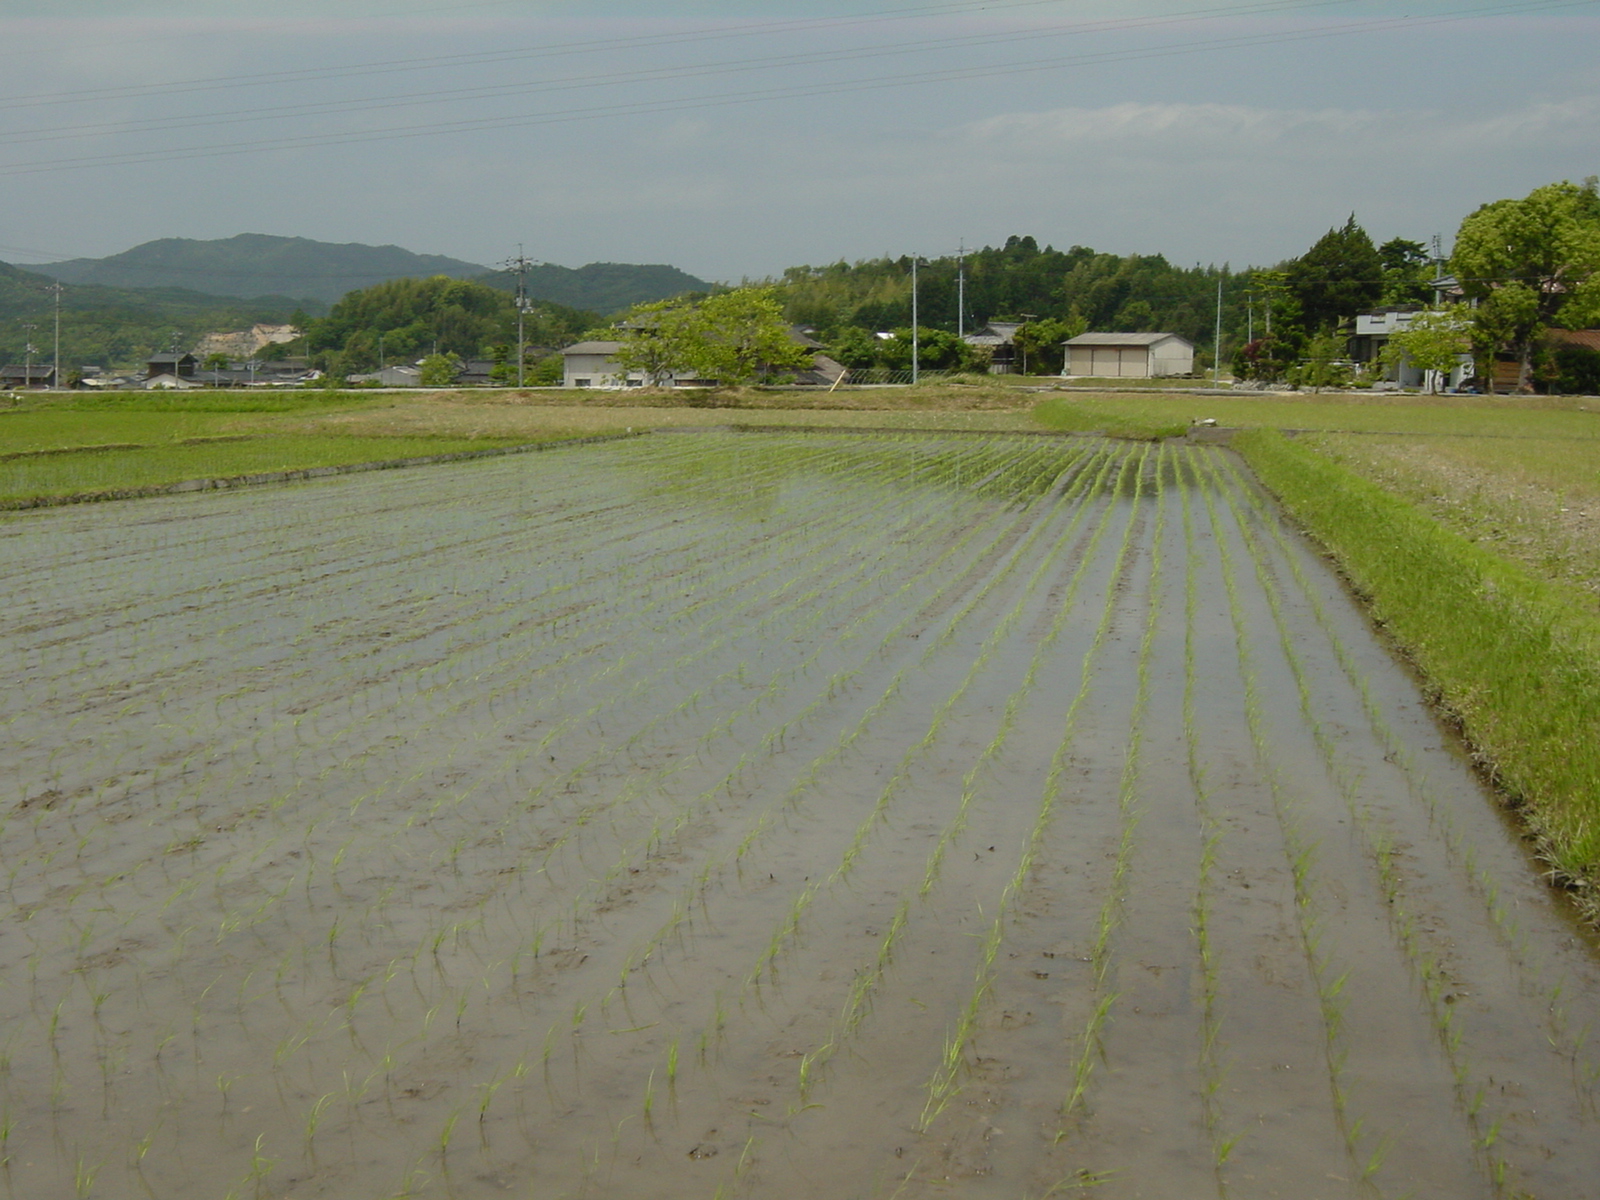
pixel 407 320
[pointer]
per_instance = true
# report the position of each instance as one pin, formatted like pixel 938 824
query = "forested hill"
pixel 602 287
pixel 110 325
pixel 255 264
pixel 1109 292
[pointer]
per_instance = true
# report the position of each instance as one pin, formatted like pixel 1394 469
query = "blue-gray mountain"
pixel 255 264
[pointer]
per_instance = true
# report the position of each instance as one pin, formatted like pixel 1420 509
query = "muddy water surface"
pixel 755 815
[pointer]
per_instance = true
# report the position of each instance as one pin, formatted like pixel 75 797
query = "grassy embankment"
pixel 1515 657
pixel 92 446
pixel 54 447
pixel 1472 527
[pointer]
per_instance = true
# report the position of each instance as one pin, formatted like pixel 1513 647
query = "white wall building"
pixel 1129 355
pixel 1372 333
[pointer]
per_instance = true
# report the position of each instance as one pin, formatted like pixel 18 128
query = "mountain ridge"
pixel 252 265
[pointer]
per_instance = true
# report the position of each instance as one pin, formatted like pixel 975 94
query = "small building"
pixel 401 376
pixel 16 376
pixel 594 364
pixel 167 381
pixel 180 366
pixel 591 364
pixel 1000 339
pixel 1370 334
pixel 1128 355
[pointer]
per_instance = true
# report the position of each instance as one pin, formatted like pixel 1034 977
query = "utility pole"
pixel 961 290
pixel 1216 344
pixel 57 289
pixel 1438 270
pixel 1022 347
pixel 27 360
pixel 520 265
pixel 915 346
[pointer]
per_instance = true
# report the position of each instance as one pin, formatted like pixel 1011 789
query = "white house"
pixel 594 364
pixel 1129 355
pixel 1372 332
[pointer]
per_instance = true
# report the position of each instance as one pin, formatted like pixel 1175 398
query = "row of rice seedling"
pixel 1462 1030
pixel 1329 975
pixel 360 993
pixel 772 741
pixel 1509 654
pixel 858 1002
pixel 719 1020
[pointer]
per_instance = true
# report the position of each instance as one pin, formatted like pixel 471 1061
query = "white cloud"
pixel 1236 131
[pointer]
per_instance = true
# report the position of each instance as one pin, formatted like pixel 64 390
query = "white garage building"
pixel 1129 355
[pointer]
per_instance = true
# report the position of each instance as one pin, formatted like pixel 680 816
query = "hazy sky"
pixel 735 139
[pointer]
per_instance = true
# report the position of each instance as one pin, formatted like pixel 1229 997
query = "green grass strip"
pixel 1507 654
pixel 108 473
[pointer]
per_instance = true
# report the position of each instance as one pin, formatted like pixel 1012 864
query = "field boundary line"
pixel 294 475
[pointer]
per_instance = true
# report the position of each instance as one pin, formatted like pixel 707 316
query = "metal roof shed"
pixel 1129 355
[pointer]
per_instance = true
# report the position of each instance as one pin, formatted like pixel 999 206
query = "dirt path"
pixel 767 815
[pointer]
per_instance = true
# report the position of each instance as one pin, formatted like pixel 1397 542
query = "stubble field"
pixel 774 815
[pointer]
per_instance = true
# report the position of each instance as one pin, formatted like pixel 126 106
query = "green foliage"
pixel 937 350
pixel 547 372
pixel 414 317
pixel 1514 657
pixel 744 337
pixel 1102 291
pixel 1407 272
pixel 1434 341
pixel 1574 370
pixel 659 340
pixel 1530 264
pixel 731 338
pixel 117 327
pixel 854 347
pixel 440 370
pixel 1323 366
pixel 1338 277
pixel 261 265
pixel 1039 343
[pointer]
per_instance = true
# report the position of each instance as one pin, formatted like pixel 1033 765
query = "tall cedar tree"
pixel 1338 277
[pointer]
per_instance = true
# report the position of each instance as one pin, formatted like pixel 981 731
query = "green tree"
pixel 1407 271
pixel 855 348
pixel 1039 348
pixel 1434 341
pixel 215 362
pixel 1530 264
pixel 502 371
pixel 1338 277
pixel 660 340
pixel 1323 365
pixel 440 370
pixel 547 372
pixel 741 336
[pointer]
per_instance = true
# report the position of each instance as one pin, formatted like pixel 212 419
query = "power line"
pixel 800 91
pixel 613 45
pixel 412 99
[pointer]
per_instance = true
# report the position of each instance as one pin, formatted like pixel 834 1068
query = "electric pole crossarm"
pixel 520 265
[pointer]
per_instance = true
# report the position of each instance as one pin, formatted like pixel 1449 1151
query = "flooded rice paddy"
pixel 731 815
